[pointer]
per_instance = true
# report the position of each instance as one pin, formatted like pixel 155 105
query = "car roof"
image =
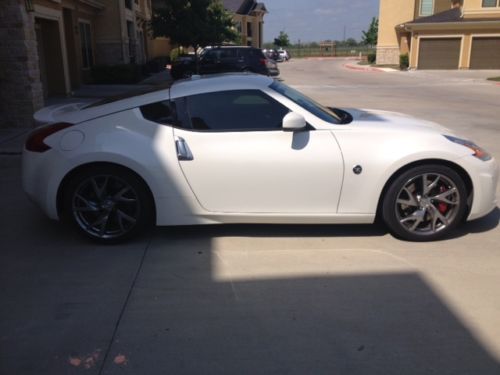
pixel 192 86
pixel 229 47
pixel 219 82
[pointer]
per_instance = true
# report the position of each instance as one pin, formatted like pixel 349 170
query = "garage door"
pixel 439 53
pixel 485 53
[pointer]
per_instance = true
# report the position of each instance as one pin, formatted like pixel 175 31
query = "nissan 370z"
pixel 243 148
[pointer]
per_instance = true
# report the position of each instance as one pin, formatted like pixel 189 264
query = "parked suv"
pixel 226 59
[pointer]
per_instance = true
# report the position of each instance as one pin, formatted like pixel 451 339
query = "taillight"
pixel 35 141
pixel 263 62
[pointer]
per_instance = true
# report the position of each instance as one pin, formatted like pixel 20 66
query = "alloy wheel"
pixel 427 204
pixel 105 206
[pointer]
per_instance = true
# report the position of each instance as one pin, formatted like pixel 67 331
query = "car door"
pixel 237 159
pixel 228 60
pixel 210 61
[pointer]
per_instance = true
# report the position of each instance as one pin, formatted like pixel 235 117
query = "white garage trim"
pixel 446 36
pixel 469 57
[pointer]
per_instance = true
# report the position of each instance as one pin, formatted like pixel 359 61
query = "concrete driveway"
pixel 263 299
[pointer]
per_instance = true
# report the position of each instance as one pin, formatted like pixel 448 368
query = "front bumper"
pixel 484 177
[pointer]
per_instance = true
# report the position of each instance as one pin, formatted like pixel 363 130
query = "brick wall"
pixel 20 87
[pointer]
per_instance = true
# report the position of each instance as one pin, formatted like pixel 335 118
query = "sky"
pixel 317 20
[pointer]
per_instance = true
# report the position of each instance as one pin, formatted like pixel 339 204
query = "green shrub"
pixel 404 61
pixel 372 58
pixel 117 74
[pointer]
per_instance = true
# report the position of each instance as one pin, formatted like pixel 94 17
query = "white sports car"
pixel 242 148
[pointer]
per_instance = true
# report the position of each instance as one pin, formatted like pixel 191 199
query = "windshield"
pixel 307 103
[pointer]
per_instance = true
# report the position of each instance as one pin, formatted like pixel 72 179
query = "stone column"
pixel 21 91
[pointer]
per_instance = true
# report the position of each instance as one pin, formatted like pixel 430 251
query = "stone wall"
pixel 388 55
pixel 21 91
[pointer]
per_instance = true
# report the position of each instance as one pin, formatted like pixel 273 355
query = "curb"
pixel 363 69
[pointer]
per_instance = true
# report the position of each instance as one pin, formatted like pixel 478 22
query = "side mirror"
pixel 294 122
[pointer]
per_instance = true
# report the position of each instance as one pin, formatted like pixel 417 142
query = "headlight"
pixel 478 151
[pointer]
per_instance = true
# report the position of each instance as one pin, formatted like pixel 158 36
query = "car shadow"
pixel 277 230
pixel 482 225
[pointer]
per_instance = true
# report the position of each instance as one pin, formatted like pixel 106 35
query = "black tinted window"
pixel 227 53
pixel 161 112
pixel 235 110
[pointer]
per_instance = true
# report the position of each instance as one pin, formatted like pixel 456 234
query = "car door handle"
pixel 183 151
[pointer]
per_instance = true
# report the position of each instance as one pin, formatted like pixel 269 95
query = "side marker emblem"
pixel 358 169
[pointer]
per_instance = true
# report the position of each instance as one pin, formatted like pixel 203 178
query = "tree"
pixel 370 37
pixel 282 40
pixel 196 23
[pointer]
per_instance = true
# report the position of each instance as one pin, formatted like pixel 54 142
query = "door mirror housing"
pixel 294 122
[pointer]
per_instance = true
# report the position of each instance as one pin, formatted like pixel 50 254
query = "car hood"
pixel 386 120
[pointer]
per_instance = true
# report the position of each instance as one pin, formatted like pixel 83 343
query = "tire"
pixel 415 210
pixel 108 204
pixel 187 74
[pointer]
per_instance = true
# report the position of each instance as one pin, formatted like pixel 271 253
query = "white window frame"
pixel 421 6
pixel 493 7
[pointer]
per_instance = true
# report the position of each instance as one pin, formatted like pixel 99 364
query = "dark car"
pixel 226 59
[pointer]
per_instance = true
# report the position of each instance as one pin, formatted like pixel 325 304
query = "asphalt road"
pixel 263 299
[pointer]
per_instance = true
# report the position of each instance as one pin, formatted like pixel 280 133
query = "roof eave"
pixel 449 25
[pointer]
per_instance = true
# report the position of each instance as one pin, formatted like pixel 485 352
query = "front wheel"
pixel 425 203
pixel 108 204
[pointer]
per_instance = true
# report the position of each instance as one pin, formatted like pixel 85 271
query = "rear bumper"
pixel 40 181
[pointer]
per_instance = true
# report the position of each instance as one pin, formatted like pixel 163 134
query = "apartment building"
pixel 47 47
pixel 248 16
pixel 440 34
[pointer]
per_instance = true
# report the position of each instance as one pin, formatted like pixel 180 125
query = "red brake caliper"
pixel 442 207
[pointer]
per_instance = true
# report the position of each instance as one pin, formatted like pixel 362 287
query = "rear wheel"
pixel 425 203
pixel 108 204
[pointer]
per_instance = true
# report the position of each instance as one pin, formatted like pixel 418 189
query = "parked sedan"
pixel 244 148
pixel 285 56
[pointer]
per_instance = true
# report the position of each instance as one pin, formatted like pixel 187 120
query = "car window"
pixel 161 112
pixel 238 110
pixel 227 53
pixel 307 103
pixel 210 55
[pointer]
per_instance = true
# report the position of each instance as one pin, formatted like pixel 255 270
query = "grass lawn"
pixel 494 79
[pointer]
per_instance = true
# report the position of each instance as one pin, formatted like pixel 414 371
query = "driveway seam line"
pixel 124 307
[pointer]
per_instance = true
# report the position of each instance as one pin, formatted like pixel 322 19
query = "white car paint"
pixel 250 177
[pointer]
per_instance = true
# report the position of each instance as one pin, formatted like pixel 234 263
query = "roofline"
pixel 445 25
